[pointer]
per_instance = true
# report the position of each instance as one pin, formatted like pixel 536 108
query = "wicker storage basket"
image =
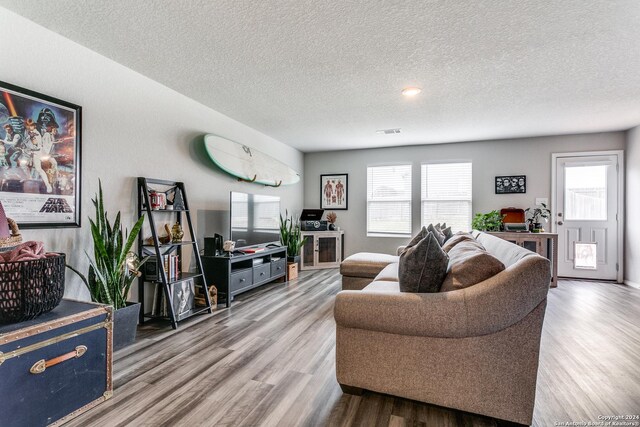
pixel 30 288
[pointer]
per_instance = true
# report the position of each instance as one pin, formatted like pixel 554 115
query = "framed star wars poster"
pixel 39 158
pixel 333 191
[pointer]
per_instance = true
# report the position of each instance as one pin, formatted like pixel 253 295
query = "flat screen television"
pixel 255 219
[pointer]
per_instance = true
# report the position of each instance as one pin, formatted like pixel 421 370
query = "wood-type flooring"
pixel 269 360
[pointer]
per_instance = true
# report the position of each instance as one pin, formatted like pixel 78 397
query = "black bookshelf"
pixel 158 250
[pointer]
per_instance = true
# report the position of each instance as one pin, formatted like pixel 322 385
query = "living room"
pixel 510 90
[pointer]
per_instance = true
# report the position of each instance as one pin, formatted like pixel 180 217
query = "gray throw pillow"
pixel 421 235
pixel 447 233
pixel 423 267
pixel 436 233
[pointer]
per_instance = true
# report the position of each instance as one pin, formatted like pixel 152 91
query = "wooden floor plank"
pixel 269 360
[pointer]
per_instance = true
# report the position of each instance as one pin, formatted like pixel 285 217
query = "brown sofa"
pixel 474 349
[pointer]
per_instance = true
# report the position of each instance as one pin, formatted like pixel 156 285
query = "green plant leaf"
pixel 109 280
pixel 131 240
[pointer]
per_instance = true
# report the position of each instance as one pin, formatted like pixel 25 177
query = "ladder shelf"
pixel 168 296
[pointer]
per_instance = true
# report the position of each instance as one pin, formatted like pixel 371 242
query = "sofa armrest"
pixel 482 309
pixel 433 315
pixel 400 250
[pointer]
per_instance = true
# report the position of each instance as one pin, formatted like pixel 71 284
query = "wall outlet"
pixel 541 200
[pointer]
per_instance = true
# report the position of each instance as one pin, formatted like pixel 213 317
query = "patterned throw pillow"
pixel 423 267
pixel 469 265
pixel 457 238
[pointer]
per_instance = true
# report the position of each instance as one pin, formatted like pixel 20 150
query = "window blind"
pixel 446 195
pixel 389 199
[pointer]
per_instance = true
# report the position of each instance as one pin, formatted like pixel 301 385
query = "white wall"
pixel 632 207
pixel 132 126
pixel 530 157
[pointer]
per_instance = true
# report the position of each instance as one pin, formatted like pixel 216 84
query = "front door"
pixel 586 216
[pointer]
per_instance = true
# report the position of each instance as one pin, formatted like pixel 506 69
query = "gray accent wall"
pixel 632 210
pixel 132 126
pixel 527 156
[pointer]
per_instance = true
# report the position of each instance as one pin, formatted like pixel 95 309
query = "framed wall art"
pixel 39 158
pixel 511 184
pixel 333 191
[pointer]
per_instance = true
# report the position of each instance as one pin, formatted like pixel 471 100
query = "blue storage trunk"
pixel 56 366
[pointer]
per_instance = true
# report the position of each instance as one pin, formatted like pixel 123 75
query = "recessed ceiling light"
pixel 411 91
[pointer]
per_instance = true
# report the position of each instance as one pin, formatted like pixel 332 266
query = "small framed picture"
pixel 183 298
pixel 511 184
pixel 333 191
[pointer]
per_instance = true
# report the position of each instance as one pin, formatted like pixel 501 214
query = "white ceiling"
pixel 323 75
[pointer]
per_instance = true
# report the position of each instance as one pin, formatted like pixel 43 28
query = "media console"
pixel 235 273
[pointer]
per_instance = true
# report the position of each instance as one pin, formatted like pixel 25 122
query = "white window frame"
pixel 422 201
pixel 410 200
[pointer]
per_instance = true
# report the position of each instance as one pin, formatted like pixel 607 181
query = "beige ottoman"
pixel 358 270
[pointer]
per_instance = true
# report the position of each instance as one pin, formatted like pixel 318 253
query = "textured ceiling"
pixel 321 75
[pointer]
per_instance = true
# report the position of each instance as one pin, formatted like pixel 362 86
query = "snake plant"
pixel 113 266
pixel 290 235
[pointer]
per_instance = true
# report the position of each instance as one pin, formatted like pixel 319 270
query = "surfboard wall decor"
pixel 247 163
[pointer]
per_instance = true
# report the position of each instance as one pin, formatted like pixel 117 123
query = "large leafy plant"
pixel 290 235
pixel 113 266
pixel 491 221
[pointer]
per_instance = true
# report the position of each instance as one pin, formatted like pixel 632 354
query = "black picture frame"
pixel 331 188
pixel 43 139
pixel 511 184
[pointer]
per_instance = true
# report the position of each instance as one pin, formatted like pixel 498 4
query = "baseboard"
pixel 632 284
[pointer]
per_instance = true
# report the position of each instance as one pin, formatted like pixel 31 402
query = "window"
pixel 446 195
pixel 389 200
pixel 585 189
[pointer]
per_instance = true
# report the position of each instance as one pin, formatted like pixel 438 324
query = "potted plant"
pixel 331 219
pixel 112 270
pixel 491 221
pixel 291 237
pixel 536 215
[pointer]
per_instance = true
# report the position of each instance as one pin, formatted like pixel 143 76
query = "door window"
pixel 586 193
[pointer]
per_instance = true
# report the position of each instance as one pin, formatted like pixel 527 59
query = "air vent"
pixel 388 131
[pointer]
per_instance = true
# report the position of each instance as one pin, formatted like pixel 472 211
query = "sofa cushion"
pixel 436 233
pixel 468 265
pixel 423 267
pixel 389 273
pixel 457 238
pixel 365 264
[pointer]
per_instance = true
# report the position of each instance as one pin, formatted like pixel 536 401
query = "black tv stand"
pixel 234 274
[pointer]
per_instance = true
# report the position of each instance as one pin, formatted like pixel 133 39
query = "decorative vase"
pixel 125 323
pixel 332 227
pixel 177 233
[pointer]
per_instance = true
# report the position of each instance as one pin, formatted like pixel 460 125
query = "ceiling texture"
pixel 325 75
